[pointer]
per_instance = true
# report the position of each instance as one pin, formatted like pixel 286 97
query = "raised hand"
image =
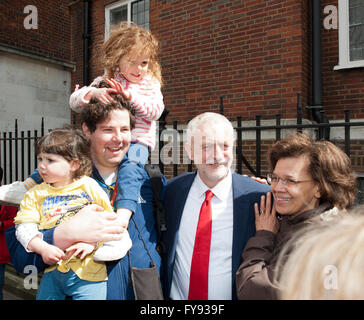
pixel 119 88
pixel 265 217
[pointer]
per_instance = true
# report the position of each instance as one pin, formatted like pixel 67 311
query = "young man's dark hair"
pixel 97 112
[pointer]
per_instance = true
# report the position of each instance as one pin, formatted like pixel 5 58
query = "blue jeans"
pixel 2 278
pixel 138 153
pixel 56 285
pixel 131 176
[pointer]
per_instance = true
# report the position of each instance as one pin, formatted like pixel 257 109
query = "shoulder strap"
pixel 159 214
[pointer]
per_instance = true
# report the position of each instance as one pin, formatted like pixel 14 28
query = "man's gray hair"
pixel 207 117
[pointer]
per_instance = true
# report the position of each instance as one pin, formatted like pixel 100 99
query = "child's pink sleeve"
pixel 77 99
pixel 147 99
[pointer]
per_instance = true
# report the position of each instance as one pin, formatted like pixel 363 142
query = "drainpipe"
pixel 318 111
pixel 85 37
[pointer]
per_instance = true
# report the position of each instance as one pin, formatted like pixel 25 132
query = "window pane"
pixel 118 14
pixel 355 3
pixel 140 13
pixel 356 29
pixel 357 43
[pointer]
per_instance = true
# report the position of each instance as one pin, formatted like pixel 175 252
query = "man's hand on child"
pixel 91 224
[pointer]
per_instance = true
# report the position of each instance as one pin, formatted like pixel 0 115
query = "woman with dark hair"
pixel 310 181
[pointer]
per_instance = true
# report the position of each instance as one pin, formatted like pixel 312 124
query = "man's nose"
pixel 219 152
pixel 116 136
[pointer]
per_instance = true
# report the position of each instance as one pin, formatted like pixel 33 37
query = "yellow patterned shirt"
pixel 48 207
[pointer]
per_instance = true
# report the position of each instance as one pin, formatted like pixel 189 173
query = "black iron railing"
pixel 18 158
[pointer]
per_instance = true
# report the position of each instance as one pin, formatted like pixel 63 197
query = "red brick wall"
pixel 342 89
pixel 97 29
pixel 51 39
pixel 96 39
pixel 251 52
pixel 76 12
pixel 257 54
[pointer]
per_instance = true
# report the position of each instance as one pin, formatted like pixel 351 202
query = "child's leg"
pixel 80 289
pixel 50 287
pixel 138 153
pixel 113 250
pixel 131 176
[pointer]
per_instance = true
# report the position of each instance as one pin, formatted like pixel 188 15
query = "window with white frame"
pixel 351 34
pixel 126 10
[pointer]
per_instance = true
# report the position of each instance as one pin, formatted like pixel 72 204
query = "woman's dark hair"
pixel 329 167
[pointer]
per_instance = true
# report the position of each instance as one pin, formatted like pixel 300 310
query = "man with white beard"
pixel 209 214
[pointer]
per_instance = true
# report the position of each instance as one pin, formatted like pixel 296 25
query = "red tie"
pixel 199 276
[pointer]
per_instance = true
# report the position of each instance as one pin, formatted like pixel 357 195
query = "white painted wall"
pixel 31 89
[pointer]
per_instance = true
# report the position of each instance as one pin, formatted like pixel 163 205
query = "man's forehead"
pixel 116 118
pixel 213 132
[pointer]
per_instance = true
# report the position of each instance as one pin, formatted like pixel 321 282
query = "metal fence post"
pixel 347 132
pixel 258 144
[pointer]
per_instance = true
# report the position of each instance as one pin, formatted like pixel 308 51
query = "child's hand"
pixel 51 254
pixel 80 249
pixel 102 95
pixel 118 87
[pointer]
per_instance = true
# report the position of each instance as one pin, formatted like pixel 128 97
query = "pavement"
pixel 14 286
pixel 8 295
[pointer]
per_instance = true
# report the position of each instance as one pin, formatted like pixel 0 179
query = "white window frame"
pixel 344 43
pixel 112 6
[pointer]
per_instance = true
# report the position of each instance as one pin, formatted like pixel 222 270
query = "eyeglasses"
pixel 273 179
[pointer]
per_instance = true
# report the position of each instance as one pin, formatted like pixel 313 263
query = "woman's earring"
pixel 117 69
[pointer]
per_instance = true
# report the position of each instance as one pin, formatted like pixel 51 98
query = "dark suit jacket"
pixel 246 192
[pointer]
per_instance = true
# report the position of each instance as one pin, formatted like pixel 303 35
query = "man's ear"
pixel 86 131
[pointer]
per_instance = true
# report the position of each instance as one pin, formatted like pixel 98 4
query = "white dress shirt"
pixel 221 240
